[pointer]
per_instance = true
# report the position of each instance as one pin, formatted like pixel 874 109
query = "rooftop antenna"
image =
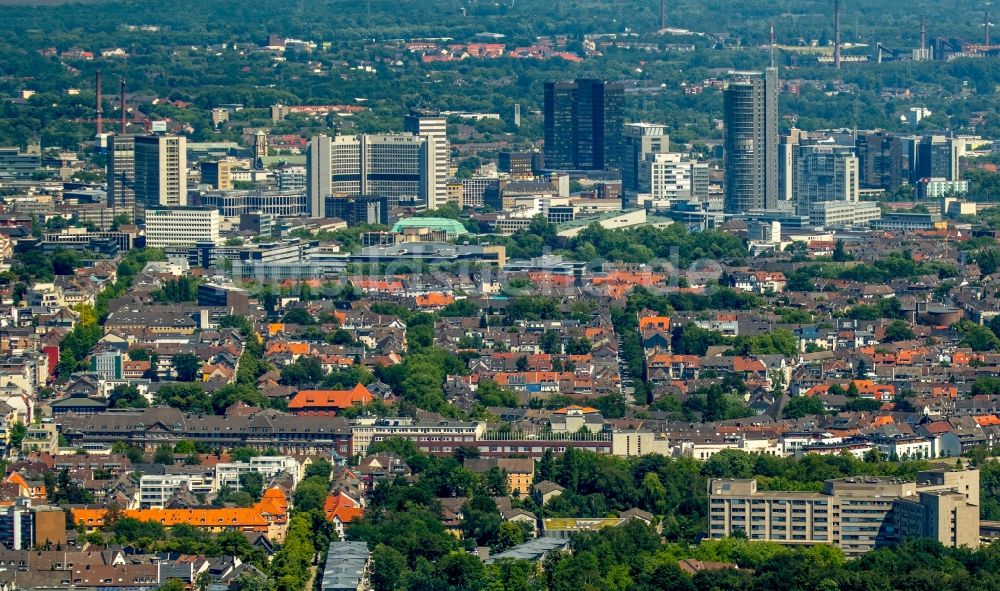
pixel 99 111
pixel 772 42
pixel 124 124
pixel 836 34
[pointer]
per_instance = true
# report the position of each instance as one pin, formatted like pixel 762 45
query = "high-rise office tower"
pixel 583 125
pixel 825 173
pixel 434 127
pixel 639 140
pixel 393 166
pixel 786 166
pixel 121 172
pixel 874 149
pixel 750 112
pixel 319 173
pixel 160 170
pixel 937 158
pixel 903 156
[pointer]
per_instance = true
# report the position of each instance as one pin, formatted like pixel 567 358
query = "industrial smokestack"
pixel 923 34
pixel 836 34
pixel 100 111
pixel 986 23
pixel 663 14
pixel 124 125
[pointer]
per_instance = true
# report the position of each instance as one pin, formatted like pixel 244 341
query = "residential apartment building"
pixel 181 226
pixel 668 177
pixel 228 474
pixel 156 490
pixel 855 514
pixel 434 438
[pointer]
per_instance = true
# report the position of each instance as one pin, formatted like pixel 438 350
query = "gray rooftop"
pixel 534 549
pixel 345 566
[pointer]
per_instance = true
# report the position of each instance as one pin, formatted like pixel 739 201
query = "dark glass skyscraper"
pixel 583 125
pixel 750 112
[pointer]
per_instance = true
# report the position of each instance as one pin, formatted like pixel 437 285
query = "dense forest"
pixel 185 52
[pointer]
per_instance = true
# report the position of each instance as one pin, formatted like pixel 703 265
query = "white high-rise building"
pixel 393 166
pixel 160 171
pixel 181 226
pixel 319 174
pixel 434 127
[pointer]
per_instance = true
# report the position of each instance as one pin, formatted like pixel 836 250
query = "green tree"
pixel 186 366
pixel 802 406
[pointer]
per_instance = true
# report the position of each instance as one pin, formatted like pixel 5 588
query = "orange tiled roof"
pixel 340 399
pixel 288 347
pixel 274 504
pixel 433 300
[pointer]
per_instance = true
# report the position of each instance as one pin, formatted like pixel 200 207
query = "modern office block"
pixel 432 126
pixel 395 166
pixel 583 123
pixel 639 140
pixel 937 158
pixel 121 172
pixel 181 226
pixel 750 112
pixel 825 173
pixel 217 174
pixel 160 170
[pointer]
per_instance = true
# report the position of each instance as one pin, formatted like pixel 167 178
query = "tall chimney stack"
pixel 986 23
pixel 836 34
pixel 124 124
pixel 100 111
pixel 923 33
pixel 663 15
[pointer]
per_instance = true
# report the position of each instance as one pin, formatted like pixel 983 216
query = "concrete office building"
pixel 432 126
pixel 218 175
pixel 160 171
pixel 121 172
pixel 750 113
pixel 855 514
pixel 20 165
pixel 824 173
pixel 640 140
pixel 786 166
pixel 903 159
pixel 181 226
pixel 583 123
pixel 233 204
pixel 292 178
pixel 392 165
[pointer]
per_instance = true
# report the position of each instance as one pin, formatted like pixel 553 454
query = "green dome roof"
pixel 449 226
